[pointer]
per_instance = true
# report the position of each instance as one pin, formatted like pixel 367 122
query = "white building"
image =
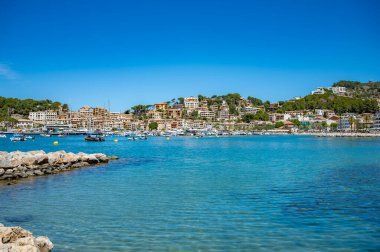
pixel 44 117
pixel 207 114
pixel 250 110
pixel 224 115
pixel 24 123
pixel 338 90
pixel 319 90
pixel 191 102
pixel 376 121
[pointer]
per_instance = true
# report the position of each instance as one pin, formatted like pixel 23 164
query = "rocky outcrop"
pixel 17 239
pixel 17 164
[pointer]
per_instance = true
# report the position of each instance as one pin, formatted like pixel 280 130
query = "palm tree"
pixel 367 118
pixel 351 119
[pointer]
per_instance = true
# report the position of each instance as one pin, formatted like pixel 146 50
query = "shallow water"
pixel 296 193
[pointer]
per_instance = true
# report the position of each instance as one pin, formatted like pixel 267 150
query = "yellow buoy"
pixel 115 140
pixel 168 138
pixel 55 143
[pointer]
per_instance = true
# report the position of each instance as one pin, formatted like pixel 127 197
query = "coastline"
pixel 18 239
pixel 20 165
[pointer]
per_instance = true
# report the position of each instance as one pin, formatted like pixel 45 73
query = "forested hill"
pixel 339 104
pixel 23 107
pixel 359 89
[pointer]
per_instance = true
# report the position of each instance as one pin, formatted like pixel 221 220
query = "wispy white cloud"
pixel 7 73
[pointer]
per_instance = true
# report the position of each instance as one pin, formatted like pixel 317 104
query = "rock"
pixel 42 159
pixel 92 159
pixel 38 172
pixel 80 164
pixel 4 177
pixel 101 157
pixel 24 241
pixel 44 244
pixel 17 239
pixel 11 234
pixel 17 164
pixel 30 173
pixel 9 172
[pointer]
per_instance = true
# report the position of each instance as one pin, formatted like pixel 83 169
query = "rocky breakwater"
pixel 17 164
pixel 17 239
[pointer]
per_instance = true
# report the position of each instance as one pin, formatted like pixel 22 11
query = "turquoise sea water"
pixel 274 193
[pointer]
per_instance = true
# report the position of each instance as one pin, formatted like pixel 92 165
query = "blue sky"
pixel 132 52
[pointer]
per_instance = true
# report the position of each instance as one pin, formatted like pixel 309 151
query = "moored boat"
pixel 95 137
pixel 18 138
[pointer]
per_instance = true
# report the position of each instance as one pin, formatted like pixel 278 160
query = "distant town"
pixel 346 107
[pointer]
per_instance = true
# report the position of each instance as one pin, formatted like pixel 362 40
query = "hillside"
pixel 359 89
pixel 10 106
pixel 339 104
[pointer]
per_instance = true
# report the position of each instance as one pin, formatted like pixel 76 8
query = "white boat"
pixel 45 135
pixel 29 137
pixel 18 138
pixel 3 136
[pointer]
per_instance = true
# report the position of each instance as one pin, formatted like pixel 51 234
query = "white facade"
pixel 376 121
pixel 250 110
pixel 338 90
pixel 319 90
pixel 44 117
pixel 22 123
pixel 207 114
pixel 191 102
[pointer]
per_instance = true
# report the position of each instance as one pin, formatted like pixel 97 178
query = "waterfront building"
pixel 43 117
pixel 191 102
pixel 24 123
pixel 347 122
pixel 376 121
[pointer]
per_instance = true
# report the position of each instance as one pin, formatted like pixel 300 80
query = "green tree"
pixel 334 126
pixel 140 110
pixel 296 122
pixel 324 125
pixel 194 114
pixel 255 101
pixel 153 126
pixel 181 100
pixel 351 120
pixel 279 124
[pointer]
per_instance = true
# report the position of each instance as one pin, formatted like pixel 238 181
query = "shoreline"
pixel 18 165
pixel 16 238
